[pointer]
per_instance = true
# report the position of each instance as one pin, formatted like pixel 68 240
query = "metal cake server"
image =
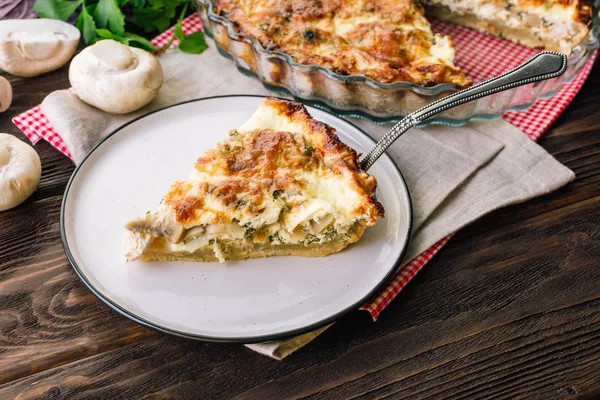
pixel 543 66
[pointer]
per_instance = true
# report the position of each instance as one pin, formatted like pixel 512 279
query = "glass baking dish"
pixel 360 96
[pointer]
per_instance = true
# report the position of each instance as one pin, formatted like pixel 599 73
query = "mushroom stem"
pixel 4 154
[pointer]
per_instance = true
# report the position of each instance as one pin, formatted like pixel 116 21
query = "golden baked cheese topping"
pixel 386 40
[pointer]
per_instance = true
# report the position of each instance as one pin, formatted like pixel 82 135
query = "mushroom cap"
pixel 30 47
pixel 6 94
pixel 20 171
pixel 115 78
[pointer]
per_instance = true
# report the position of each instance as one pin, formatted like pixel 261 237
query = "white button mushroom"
pixel 115 78
pixel 20 171
pixel 5 94
pixel 30 47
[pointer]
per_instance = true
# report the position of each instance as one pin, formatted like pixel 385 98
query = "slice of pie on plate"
pixel 281 184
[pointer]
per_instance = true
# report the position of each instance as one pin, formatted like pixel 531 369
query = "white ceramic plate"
pixel 242 301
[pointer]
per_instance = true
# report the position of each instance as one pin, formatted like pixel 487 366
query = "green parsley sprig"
pixel 106 19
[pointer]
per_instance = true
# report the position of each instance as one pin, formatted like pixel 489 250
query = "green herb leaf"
pixel 138 41
pixel 109 16
pixel 193 44
pixel 129 39
pixel 106 34
pixel 104 19
pixel 155 15
pixel 178 31
pixel 85 23
pixel 166 3
pixel 151 20
pixel 56 9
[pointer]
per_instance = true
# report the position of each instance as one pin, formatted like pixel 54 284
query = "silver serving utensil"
pixel 543 66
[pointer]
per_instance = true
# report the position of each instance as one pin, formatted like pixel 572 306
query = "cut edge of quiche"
pixel 556 25
pixel 281 184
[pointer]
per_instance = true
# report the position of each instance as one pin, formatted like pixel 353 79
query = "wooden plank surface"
pixel 510 308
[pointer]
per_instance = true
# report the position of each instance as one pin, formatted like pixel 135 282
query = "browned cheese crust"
pixel 385 40
pixel 250 169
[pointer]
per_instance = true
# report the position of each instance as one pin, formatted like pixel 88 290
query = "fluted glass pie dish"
pixel 361 96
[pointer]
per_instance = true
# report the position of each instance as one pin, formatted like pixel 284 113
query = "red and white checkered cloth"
pixel 480 56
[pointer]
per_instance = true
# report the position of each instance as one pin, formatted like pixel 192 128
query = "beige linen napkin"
pixel 454 174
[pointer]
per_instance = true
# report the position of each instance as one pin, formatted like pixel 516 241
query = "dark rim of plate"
pixel 245 340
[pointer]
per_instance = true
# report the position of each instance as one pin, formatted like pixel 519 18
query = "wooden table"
pixel 509 308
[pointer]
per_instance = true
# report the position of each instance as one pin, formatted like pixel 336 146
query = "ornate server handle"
pixel 543 66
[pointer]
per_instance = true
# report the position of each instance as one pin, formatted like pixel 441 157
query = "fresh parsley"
pixel 106 19
pixel 193 43
pixel 109 16
pixel 155 15
pixel 56 9
pixel 129 39
pixel 85 23
pixel 135 3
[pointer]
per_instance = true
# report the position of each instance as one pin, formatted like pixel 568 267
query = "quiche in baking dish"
pixel 281 184
pixel 386 40
pixel 391 40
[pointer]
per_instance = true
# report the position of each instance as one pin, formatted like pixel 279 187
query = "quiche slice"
pixel 557 25
pixel 281 184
